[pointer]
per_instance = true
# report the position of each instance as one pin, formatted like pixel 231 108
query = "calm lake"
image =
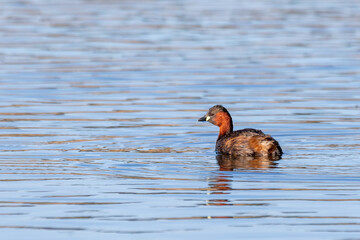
pixel 99 101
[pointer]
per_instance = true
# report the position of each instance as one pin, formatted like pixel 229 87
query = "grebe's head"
pixel 217 115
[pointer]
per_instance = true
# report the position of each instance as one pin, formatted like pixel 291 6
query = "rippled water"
pixel 99 106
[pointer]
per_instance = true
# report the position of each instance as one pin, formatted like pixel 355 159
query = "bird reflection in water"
pixel 221 183
pixel 231 163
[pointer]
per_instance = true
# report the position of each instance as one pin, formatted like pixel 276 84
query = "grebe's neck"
pixel 225 124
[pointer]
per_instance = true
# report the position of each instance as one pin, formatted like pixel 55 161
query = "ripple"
pixel 99 106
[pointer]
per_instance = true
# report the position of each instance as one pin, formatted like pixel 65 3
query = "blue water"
pixel 99 102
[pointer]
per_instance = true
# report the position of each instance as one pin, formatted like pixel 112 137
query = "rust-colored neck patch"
pixel 224 122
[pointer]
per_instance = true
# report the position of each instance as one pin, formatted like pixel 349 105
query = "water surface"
pixel 99 102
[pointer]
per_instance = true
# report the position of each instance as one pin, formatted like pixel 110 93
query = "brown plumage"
pixel 245 142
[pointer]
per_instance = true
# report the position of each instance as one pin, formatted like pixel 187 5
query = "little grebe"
pixel 245 142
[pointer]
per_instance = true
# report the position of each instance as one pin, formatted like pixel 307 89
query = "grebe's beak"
pixel 204 118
